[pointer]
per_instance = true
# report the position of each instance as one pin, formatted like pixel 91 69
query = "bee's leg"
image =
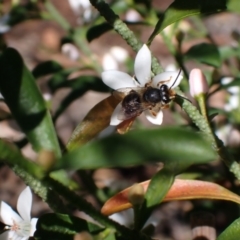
pixel 148 84
pixel 154 110
pixel 163 82
pixel 166 106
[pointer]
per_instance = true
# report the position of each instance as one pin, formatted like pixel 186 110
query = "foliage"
pixel 189 149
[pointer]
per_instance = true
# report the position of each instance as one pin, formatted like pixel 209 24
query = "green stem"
pixel 83 205
pixel 47 194
pixel 122 29
pixel 137 217
pixel 57 16
pixel 201 99
pixel 216 143
pixel 44 187
pixel 201 121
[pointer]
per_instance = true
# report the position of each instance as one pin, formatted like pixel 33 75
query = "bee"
pixel 136 100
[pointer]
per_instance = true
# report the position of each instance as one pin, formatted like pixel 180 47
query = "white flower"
pixel 142 68
pixel 18 227
pixel 82 8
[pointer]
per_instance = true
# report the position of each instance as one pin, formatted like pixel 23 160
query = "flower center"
pixel 22 228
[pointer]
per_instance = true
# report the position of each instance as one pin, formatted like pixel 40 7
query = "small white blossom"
pixel 19 227
pixel 4 27
pixel 115 56
pixel 142 68
pixel 71 51
pixel 233 100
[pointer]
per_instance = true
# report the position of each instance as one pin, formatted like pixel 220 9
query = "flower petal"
pixel 167 76
pixel 142 65
pixel 116 79
pixel 13 235
pixel 33 226
pixel 4 235
pixel 155 120
pixel 114 118
pixel 8 215
pixel 24 204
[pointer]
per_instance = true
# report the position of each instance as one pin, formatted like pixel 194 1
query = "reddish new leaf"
pixel 180 190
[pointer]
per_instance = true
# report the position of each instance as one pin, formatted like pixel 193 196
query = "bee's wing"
pixel 137 109
pixel 123 92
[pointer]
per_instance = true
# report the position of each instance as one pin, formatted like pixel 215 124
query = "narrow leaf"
pixel 96 120
pixel 180 9
pixel 158 187
pixel 61 226
pixel 26 103
pixel 45 68
pixel 156 191
pixel 204 53
pixel 180 190
pixel 232 232
pixel 97 30
pixel 168 144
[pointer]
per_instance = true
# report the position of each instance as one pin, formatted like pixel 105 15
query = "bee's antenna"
pixel 174 83
pixel 176 78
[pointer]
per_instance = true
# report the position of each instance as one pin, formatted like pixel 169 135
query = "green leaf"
pixel 159 187
pixel 170 145
pixel 23 12
pixel 45 68
pixel 180 9
pixel 26 103
pixel 227 52
pixel 233 5
pixel 97 30
pixel 61 226
pixel 107 234
pixel 157 190
pixel 59 80
pixel 204 53
pixel 232 232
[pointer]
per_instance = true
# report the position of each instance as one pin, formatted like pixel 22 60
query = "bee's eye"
pixel 164 88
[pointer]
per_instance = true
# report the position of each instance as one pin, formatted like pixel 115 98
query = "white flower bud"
pixel 198 83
